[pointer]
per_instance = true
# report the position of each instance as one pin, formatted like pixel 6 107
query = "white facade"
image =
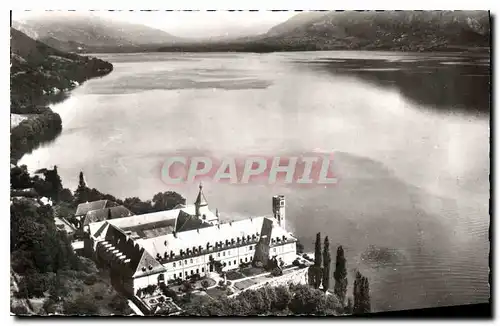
pixel 147 261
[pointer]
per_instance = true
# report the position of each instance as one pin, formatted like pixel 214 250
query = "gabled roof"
pixel 186 222
pixel 147 265
pixel 106 214
pixel 200 237
pixel 84 208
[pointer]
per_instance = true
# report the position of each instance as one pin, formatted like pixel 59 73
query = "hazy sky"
pixel 191 24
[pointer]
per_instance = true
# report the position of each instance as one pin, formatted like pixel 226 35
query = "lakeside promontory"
pixel 41 75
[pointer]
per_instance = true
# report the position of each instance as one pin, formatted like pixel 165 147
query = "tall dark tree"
pixel 340 275
pixel 109 214
pixel 317 250
pixel 327 259
pixel 361 294
pixel 82 192
pixel 55 183
pixel 317 262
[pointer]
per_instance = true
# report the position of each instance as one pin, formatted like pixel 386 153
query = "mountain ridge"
pixel 415 31
pixel 90 33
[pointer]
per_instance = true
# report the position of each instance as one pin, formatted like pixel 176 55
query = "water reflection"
pixel 453 83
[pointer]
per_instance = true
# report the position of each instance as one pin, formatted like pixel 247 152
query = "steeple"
pixel 201 201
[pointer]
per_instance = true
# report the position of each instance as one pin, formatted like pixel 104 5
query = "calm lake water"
pixel 410 134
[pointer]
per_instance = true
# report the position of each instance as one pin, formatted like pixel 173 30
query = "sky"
pixel 192 24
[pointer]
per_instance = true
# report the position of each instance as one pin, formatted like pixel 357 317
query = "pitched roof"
pixel 200 237
pixel 148 219
pixel 134 260
pixel 104 214
pixel 84 208
pixel 186 222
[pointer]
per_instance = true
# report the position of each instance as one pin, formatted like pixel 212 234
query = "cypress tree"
pixel 317 261
pixel 81 193
pixel 109 213
pixel 340 275
pixel 326 265
pixel 317 250
pixel 361 294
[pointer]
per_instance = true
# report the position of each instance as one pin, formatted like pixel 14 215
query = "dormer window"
pixel 143 269
pixel 150 267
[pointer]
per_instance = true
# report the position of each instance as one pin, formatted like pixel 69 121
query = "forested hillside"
pixel 365 30
pixel 41 75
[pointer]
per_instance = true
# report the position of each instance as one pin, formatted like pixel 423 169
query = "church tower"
pixel 200 202
pixel 279 210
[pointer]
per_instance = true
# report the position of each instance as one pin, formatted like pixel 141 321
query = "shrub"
pixel 19 310
pixel 90 280
pixel 205 284
pixel 296 262
pixel 49 305
pixel 228 283
pixel 277 272
pixel 221 283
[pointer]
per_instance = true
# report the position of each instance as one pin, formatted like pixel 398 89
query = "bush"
pixel 258 264
pixel 296 262
pixel 170 293
pixel 221 283
pixel 90 280
pixel 81 306
pixel 19 310
pixel 228 283
pixel 277 272
pixel 49 305
pixel 205 284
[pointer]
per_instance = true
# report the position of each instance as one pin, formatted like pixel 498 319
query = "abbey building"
pixel 148 249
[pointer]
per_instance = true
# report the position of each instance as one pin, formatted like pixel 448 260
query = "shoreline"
pixel 49 120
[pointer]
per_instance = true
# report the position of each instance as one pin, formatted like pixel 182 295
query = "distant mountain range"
pixel 365 30
pixel 321 30
pixel 90 33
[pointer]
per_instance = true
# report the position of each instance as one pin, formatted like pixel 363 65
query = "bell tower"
pixel 200 202
pixel 279 210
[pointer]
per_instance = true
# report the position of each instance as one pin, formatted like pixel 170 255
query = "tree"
pixel 53 178
pixel 109 214
pixel 340 276
pixel 348 309
pixel 317 250
pixel 361 293
pixel 317 262
pixel 326 265
pixel 20 178
pixel 82 192
pixel 167 201
pixel 283 297
pixel 66 196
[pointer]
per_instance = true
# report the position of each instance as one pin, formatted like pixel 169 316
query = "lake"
pixel 409 132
